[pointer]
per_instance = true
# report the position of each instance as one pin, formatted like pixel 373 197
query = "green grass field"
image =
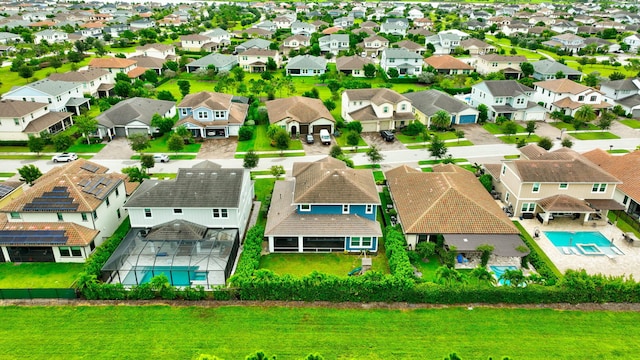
pixel 163 332
pixel 342 141
pixel 595 135
pixel 38 275
pixel 334 263
pixel 496 129
pixel 514 139
pixel 632 123
pixel 261 142
pixel 569 127
pixel 159 145
pixel 82 147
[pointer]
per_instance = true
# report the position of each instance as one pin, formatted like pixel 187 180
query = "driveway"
pixel 117 148
pixel 478 135
pixel 218 149
pixel 378 141
pixel 317 148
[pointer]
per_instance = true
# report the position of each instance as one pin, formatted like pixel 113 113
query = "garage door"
pixel 120 132
pixel 317 128
pixel 304 129
pixel 467 119
pixel 636 113
pixel 138 131
pixel 369 127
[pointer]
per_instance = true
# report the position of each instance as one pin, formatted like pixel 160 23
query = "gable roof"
pixel 619 166
pixel 215 59
pixel 48 87
pixel 431 101
pixel 562 86
pixel 353 62
pixel 17 108
pixel 624 84
pixel 442 62
pixel 505 87
pixel 113 63
pixel 449 200
pixel 503 58
pixel 79 76
pixel 400 53
pixel 307 62
pixel 134 109
pixel 377 96
pixel 302 109
pixel 551 67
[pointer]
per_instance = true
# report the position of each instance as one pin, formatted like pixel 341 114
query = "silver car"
pixel 64 157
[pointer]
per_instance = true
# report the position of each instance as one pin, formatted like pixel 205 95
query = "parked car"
pixel 387 135
pixel 325 138
pixel 310 139
pixel 161 158
pixel 64 157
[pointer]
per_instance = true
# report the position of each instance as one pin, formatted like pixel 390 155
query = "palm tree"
pixel 584 115
pixel 441 120
pixel 483 275
pixel 513 277
pixel 447 276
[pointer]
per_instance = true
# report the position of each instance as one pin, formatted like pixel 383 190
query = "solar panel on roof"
pixel 90 167
pixel 59 189
pixel 4 190
pixel 37 237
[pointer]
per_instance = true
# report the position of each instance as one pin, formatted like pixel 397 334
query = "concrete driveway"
pixel 478 135
pixel 117 148
pixel 378 141
pixel 218 149
pixel 317 148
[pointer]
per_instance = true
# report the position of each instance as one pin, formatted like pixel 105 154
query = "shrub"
pixel 245 133
pixel 487 181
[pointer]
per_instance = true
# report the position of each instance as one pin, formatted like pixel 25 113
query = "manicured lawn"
pixel 426 169
pixel 405 139
pixel 498 130
pixel 378 176
pixel 513 139
pixel 433 162
pixel 618 151
pixel 10 79
pixel 275 154
pixel 163 175
pixel 38 275
pixel 164 332
pixel 261 142
pixel 6 174
pixel 25 157
pixel 342 141
pixel 263 189
pixel 595 135
pixel 511 157
pixel 172 157
pixel 569 127
pixel 367 166
pixel 86 148
pixel 333 263
pixel 622 225
pixel 428 269
pixel 25 149
pixel 458 143
pixel 632 123
pixel 159 145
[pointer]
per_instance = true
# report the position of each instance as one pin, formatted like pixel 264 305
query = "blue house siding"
pixel 373 247
pixel 359 210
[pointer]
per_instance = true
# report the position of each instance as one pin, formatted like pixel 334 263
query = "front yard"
pixel 632 123
pixel 496 129
pixel 38 275
pixel 261 142
pixel 594 135
pixel 159 145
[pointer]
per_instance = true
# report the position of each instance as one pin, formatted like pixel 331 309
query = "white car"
pixel 161 158
pixel 64 157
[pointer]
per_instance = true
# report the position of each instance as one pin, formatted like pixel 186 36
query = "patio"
pixel 626 264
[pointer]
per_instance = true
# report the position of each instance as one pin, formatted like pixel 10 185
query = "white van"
pixel 325 138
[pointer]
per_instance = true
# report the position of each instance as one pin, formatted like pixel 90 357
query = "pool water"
pixel 586 240
pixel 499 270
pixel 177 275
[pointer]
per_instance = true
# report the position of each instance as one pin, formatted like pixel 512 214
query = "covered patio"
pixel 508 249
pixel 590 212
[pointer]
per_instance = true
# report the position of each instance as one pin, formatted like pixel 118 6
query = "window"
pixel 147 213
pixel 183 111
pixel 64 251
pixel 403 107
pixel 95 215
pixel 506 197
pixel 118 213
pixel 76 251
pixel 599 188
pixel 15 215
pixel 16 121
pixel 368 209
pixel 625 200
pixel 305 207
pixel 504 169
pixel 220 213
pixel 177 211
pixel 84 217
pixel 592 98
pixel 535 188
pixel 580 98
pixel 203 115
pixel 519 101
pixel 563 186
pixel 107 201
pixel 345 209
pixel 92 245
pixel 357 241
pixel 60 218
pixel 117 192
pixel 385 109
pixel 528 207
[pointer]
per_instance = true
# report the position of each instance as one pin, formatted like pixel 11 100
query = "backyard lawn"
pixel 165 332
pixel 632 123
pixel 594 135
pixel 332 263
pixel 38 275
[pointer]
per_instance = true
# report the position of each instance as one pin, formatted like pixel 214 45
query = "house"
pixel 407 63
pixel 344 22
pixel 144 23
pixel 133 116
pixel 506 98
pixel 509 65
pixel 219 62
pixel 20 119
pixel 218 38
pixel 326 206
pixel 300 115
pixel 194 42
pixel 628 192
pixel 395 26
pixel 295 42
pixel 567 41
pixel 568 96
pixel 60 95
pixel 447 64
pixel 302 28
pixel 477 47
pixel 425 104
pixel 160 51
pixel 411 46
pixel 65 215
pixel 451 202
pixel 266 25
pixel 9 38
pixel 259 44
pixel 255 60
pixel 625 92
pixel 212 115
pixel 254 33
pixel 564 27
pixel 306 65
pixel 376 109
pixel 334 43
pixel 95 82
pixel 113 65
pixel 374 44
pixel 352 65
pixel 633 41
pixel 554 184
pixel 50 36
pixel 547 70
pixel 444 42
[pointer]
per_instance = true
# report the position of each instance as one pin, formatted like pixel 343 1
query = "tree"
pixel 616 75
pixel 175 143
pixel 36 144
pixel 251 159
pixel 282 140
pixel 271 64
pixel 151 76
pixel 86 125
pixel 335 151
pixel 459 135
pixel 272 130
pixel 333 86
pixel 369 70
pixel 185 133
pixel 426 249
pixel 122 89
pixel 55 63
pixel 509 128
pixel 329 104
pixel 354 126
pixel 374 155
pixel 559 74
pixel 139 142
pixel 353 138
pixel 74 57
pixel 163 124
pixel 393 73
pixel 513 277
pixel 483 275
pixel 165 95
pixel 591 79
pixel 135 173
pixel 29 173
pixel 606 118
pixel 25 71
pixel 566 142
pixel 545 143
pixel 277 171
pixel 531 127
pixel 184 86
pixel 585 114
pixel 62 141
pixel 238 73
pixel 447 275
pixel 483 113
pixel 527 69
pixel 441 120
pixel 487 181
pixel 437 147
pixel 245 133
pixel 485 253
pixel 147 162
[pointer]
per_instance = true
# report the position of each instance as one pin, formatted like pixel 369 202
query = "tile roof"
pixel 76 235
pixel 354 62
pixel 260 52
pixel 79 76
pixel 623 167
pixel 449 200
pixel 562 86
pixel 447 62
pixel 17 108
pixel 506 87
pixel 564 203
pixel 624 84
pixel 567 103
pixel 307 62
pixel 302 109
pixel 115 63
pixel 503 58
pixel 377 96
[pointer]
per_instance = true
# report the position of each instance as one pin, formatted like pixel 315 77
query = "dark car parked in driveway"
pixel 387 135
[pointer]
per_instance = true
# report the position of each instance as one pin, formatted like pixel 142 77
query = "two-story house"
pixel 300 115
pixel 325 206
pixel 19 119
pixel 568 96
pixel 554 184
pixel 60 95
pixel 194 42
pixel 160 51
pixel 50 36
pixel 133 116
pixel 113 65
pixel 395 26
pixel 506 98
pixel 567 41
pixel 255 60
pixel 295 42
pixel 376 109
pixel 374 44
pixel 444 42
pixel 94 82
pixel 407 63
pixel 258 44
pixel 218 38
pixel 334 43
pixel 633 41
pixel 625 92
pixel 303 28
pixel 509 65
pixel 65 215
pixel 212 115
pixel 548 69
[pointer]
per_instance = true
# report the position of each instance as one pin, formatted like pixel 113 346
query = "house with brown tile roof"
pixel 94 82
pixel 212 115
pixel 325 206
pixel 300 115
pixel 377 109
pixel 509 65
pixel 567 96
pixel 450 201
pixel 552 184
pixel 352 65
pixel 65 214
pixel 447 64
pixel 624 168
pixel 477 47
pixel 113 65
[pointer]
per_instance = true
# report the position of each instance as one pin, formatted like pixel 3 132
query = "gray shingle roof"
pixel 431 101
pixel 506 87
pixel 307 62
pixel 217 60
pixel 552 67
pixel 17 108
pixel 401 54
pixel 140 109
pixel 624 84
pixel 52 87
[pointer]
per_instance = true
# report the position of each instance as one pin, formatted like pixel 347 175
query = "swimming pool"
pixel 499 270
pixel 177 275
pixel 582 243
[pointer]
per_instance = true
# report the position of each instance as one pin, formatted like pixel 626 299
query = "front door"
pixel 294 130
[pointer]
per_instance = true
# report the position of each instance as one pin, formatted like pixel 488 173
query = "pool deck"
pixel 627 264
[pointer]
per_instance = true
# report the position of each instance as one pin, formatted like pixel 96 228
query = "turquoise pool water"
pixel 581 242
pixel 499 270
pixel 177 275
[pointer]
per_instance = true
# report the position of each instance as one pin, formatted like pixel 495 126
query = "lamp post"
pixel 610 148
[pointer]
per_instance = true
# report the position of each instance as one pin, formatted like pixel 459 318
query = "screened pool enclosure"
pixel 187 253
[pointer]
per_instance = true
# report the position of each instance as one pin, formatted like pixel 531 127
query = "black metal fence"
pixel 628 219
pixel 52 293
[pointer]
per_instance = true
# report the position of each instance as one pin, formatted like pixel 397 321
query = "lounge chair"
pixel 566 251
pixel 616 250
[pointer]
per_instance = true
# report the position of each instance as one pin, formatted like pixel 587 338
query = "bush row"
pixel 396 245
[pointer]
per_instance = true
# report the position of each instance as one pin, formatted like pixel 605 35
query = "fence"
pixel 52 293
pixel 628 219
